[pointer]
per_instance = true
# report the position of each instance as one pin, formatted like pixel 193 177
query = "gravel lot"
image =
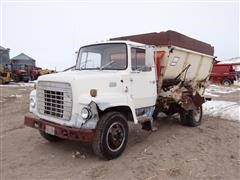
pixel 210 151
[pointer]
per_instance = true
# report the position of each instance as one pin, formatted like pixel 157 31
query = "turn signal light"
pixel 93 92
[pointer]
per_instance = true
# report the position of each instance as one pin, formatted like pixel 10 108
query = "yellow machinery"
pixel 44 71
pixel 5 76
pixel 39 72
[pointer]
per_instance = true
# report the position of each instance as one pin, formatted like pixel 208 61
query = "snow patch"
pixel 224 109
pixel 210 94
pixel 30 84
pixel 230 61
pixel 214 90
pixel 237 83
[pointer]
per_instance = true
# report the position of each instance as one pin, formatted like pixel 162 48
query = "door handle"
pixel 131 79
pixel 153 82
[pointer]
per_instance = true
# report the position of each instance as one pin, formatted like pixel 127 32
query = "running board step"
pixel 147 123
pixel 143 119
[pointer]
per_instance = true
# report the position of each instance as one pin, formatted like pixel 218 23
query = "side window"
pixel 138 59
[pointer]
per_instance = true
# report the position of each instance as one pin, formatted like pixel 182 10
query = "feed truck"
pixel 123 80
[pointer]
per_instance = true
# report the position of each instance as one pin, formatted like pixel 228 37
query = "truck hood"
pixel 83 81
pixel 79 75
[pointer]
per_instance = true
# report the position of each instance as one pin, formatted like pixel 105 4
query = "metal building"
pixel 22 61
pixel 4 56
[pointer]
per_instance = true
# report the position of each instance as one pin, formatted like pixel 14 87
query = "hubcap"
pixel 115 136
pixel 226 83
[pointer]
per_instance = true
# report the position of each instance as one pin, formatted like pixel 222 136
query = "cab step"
pixel 147 123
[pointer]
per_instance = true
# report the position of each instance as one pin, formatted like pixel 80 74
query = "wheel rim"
pixel 226 83
pixel 197 114
pixel 115 136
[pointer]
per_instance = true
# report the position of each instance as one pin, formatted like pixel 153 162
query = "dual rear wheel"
pixel 192 117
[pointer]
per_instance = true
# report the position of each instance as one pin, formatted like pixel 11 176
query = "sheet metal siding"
pixel 21 61
pixel 4 57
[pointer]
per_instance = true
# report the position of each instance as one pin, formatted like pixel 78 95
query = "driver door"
pixel 143 88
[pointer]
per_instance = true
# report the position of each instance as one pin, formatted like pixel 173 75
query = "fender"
pixel 109 100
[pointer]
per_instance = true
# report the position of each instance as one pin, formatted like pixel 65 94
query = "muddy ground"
pixel 210 151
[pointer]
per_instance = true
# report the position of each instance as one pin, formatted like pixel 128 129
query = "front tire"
pixel 111 136
pixel 191 118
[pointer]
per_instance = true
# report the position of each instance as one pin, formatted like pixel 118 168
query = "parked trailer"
pixel 224 74
pixel 119 81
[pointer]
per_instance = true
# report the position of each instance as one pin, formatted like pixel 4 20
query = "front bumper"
pixel 60 131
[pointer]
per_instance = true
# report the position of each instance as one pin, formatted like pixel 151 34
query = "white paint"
pixel 140 84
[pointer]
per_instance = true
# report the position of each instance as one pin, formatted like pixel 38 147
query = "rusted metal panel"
pixel 61 131
pixel 170 38
pixel 191 102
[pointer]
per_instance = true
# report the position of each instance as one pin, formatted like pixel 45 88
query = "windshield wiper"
pixel 82 64
pixel 105 65
pixel 140 68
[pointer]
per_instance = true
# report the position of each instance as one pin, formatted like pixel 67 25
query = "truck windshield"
pixel 111 56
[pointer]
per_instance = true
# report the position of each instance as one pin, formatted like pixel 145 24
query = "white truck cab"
pixel 116 82
pixel 113 77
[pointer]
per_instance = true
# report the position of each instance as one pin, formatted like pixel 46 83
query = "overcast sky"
pixel 52 32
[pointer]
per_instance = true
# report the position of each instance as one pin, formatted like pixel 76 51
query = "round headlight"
pixel 32 102
pixel 85 113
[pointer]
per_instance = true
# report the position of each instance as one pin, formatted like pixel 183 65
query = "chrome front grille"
pixel 54 99
pixel 53 103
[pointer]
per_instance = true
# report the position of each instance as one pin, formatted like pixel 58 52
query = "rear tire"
pixel 111 136
pixel 50 137
pixel 191 118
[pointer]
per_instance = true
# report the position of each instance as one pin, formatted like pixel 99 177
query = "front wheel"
pixel 111 136
pixel 192 117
